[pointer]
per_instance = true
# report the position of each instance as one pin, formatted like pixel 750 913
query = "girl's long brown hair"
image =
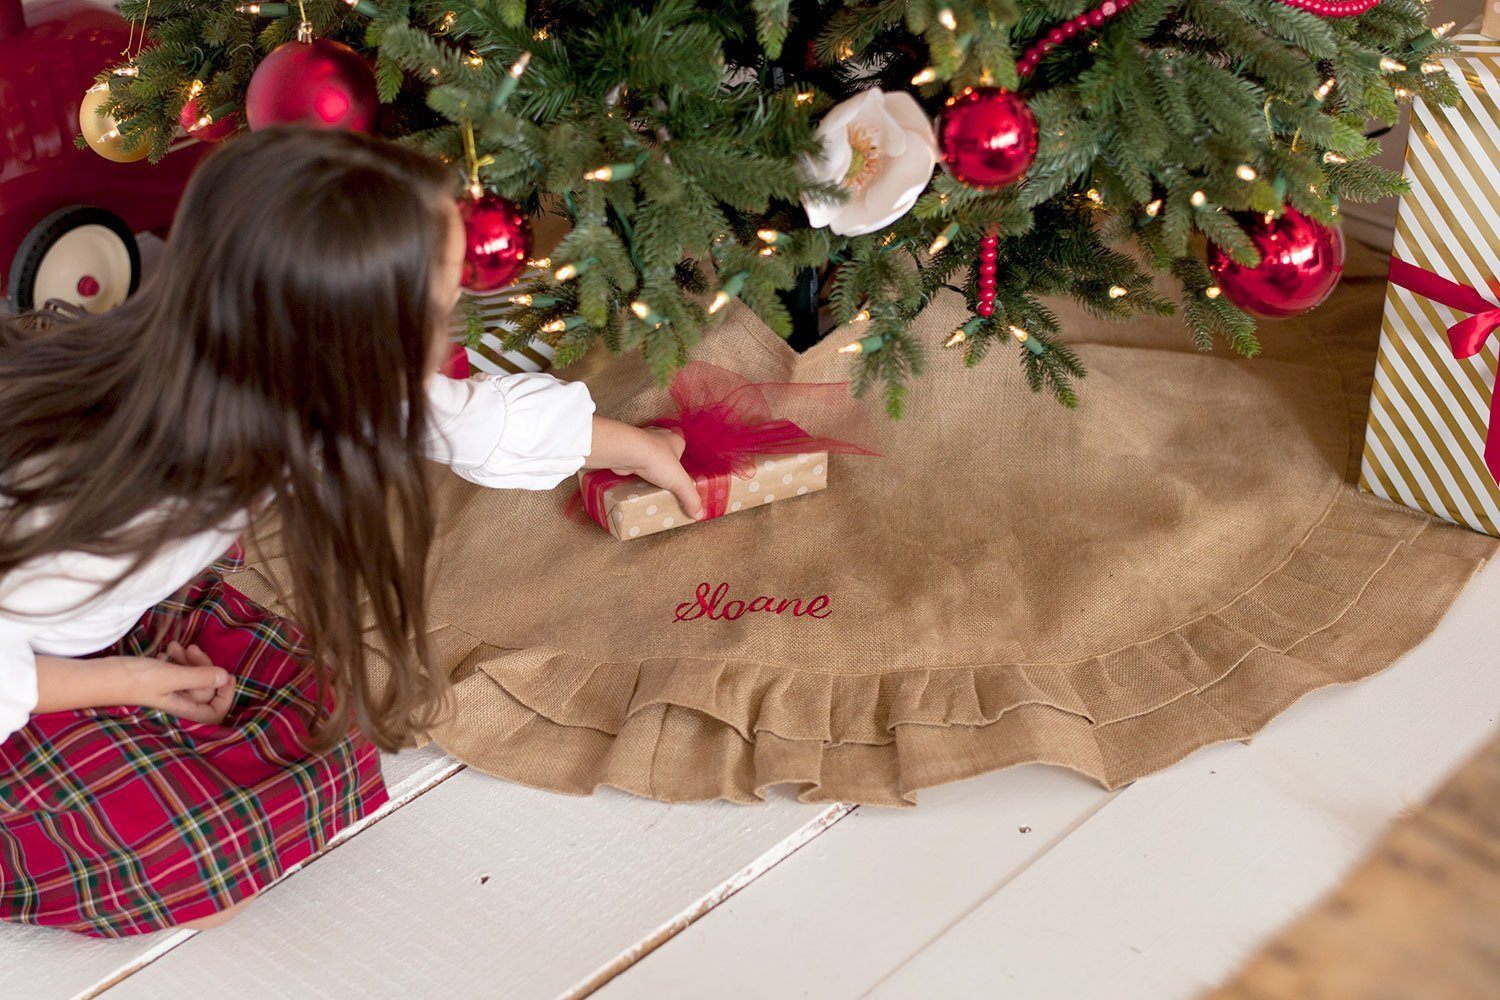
pixel 278 352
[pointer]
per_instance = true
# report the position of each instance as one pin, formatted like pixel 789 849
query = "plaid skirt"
pixel 124 820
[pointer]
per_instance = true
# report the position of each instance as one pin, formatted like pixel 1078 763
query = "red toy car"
pixel 67 215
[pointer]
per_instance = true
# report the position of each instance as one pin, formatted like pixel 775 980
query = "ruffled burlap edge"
pixel 1367 583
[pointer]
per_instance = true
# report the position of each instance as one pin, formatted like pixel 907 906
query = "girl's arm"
pixel 195 690
pixel 63 683
pixel 38 597
pixel 532 431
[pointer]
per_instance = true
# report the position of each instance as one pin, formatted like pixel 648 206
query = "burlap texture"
pixel 1109 589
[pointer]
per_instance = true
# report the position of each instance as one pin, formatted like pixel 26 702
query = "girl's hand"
pixel 191 687
pixel 652 453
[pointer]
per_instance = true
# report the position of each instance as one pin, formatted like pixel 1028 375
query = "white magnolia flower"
pixel 880 147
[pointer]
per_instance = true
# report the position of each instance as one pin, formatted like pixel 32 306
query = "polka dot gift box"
pixel 636 508
pixel 746 444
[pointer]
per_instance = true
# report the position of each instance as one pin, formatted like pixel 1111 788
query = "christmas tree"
pixel 781 152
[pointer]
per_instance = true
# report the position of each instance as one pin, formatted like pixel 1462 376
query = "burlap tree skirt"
pixel 1109 589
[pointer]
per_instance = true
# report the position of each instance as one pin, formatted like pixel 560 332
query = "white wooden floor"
pixel 1027 883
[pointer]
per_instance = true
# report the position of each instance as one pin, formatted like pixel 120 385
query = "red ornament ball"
pixel 322 83
pixel 220 128
pixel 497 239
pixel 1300 263
pixel 988 137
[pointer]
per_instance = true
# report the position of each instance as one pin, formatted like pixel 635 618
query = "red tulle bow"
pixel 457 365
pixel 1466 338
pixel 726 421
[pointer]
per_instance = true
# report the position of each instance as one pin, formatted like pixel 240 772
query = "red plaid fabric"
pixel 120 821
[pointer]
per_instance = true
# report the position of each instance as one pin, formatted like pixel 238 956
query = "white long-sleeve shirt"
pixel 526 431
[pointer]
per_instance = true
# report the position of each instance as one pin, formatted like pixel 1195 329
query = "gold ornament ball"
pixel 94 125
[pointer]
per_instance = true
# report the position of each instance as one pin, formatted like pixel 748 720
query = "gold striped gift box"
pixel 1424 446
pixel 489 355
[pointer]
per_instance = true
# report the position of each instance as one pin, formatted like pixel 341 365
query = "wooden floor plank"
pixel 842 912
pixel 1420 917
pixel 410 770
pixel 48 964
pixel 44 963
pixel 479 888
pixel 713 898
pixel 1166 890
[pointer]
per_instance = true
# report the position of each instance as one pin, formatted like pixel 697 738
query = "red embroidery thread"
pixel 707 598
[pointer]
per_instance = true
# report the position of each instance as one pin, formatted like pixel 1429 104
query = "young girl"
pixel 169 748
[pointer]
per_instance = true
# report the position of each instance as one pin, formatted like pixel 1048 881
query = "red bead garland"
pixel 1333 8
pixel 1068 29
pixel 989 250
pixel 1027 64
pixel 1262 304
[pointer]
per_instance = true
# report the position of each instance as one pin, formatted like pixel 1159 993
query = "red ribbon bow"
pixel 1466 338
pixel 726 421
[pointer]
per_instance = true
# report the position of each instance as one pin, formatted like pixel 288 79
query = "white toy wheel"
pixel 80 255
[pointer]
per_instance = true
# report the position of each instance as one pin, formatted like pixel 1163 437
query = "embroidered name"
pixel 709 602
